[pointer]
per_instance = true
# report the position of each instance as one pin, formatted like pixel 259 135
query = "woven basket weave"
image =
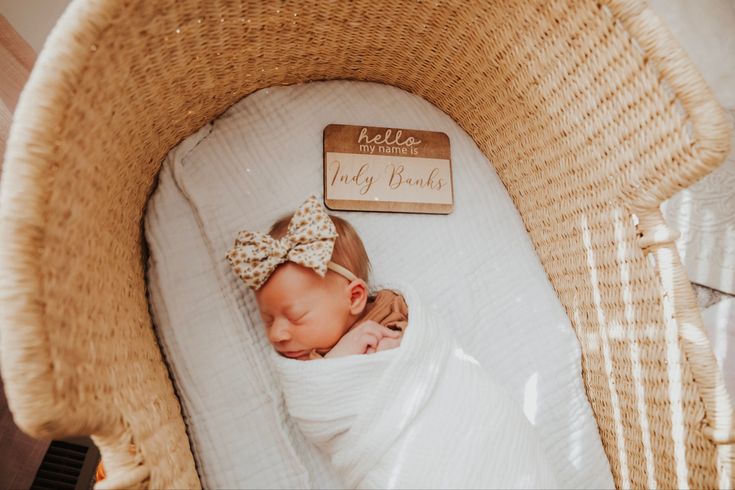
pixel 589 111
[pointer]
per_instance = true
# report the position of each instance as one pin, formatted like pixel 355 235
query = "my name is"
pixel 387 142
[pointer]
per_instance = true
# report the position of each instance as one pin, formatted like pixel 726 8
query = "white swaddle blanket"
pixel 423 415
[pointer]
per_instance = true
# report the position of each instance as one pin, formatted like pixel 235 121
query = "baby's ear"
pixel 358 292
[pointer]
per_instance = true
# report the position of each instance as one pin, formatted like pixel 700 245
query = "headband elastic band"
pixel 341 270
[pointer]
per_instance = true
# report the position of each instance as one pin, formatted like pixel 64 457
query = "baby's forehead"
pixel 292 297
pixel 287 308
pixel 290 284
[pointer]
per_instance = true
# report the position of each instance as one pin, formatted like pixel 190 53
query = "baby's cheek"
pixel 323 335
pixel 333 334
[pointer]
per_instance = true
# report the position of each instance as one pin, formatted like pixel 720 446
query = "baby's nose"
pixel 279 331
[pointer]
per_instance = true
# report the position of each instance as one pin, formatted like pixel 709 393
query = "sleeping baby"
pixel 311 302
pixel 391 406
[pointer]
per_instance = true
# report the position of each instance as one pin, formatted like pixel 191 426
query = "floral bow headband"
pixel 309 242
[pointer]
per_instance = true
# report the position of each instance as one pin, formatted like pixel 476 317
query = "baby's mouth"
pixel 292 354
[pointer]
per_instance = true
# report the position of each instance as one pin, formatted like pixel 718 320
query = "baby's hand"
pixel 388 343
pixel 363 339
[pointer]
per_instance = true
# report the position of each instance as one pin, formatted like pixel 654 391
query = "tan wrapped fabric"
pixel 388 308
pixel 589 111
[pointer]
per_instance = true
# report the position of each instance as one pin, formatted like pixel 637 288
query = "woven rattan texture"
pixel 589 113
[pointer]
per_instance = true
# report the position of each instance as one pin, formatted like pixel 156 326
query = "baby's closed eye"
pixel 300 316
pixel 294 317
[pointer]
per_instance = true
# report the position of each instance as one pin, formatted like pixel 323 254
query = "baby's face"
pixel 303 311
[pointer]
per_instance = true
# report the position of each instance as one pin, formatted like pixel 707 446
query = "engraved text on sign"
pixel 387 169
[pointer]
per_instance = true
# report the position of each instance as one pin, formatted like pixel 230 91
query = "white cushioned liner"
pixel 476 267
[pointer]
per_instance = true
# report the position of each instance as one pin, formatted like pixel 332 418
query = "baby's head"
pixel 302 310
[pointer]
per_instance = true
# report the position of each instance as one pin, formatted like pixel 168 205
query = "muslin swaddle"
pixel 423 415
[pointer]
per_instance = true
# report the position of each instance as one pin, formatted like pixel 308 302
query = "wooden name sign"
pixel 387 169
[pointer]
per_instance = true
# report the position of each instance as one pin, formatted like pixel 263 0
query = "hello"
pixel 385 139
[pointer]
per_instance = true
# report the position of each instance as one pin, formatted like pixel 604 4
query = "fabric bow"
pixel 309 242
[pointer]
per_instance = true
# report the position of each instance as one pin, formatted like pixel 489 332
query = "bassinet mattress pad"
pixel 476 267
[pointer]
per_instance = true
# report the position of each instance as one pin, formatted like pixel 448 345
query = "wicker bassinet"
pixel 590 112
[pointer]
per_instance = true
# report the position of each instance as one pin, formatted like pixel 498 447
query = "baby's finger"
pixel 370 324
pixel 387 343
pixel 388 332
pixel 380 331
pixel 372 328
pixel 368 340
